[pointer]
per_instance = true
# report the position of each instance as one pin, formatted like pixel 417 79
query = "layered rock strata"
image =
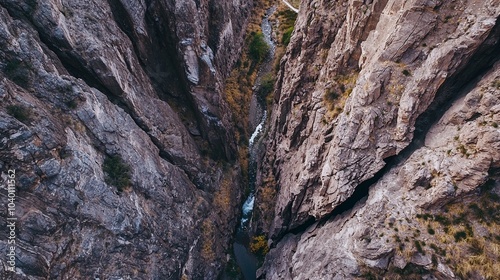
pixel 137 84
pixel 384 110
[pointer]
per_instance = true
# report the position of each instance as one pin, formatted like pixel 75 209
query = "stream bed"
pixel 244 257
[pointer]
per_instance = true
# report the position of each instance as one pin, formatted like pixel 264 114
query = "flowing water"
pixel 245 259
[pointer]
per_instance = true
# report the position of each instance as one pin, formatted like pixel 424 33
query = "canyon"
pixel 376 154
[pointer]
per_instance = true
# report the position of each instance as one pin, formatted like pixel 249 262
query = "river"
pixel 245 259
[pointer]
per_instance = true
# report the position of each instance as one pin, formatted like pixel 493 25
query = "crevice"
pixel 164 66
pixel 78 70
pixel 159 54
pixel 468 74
pixel 126 25
pixel 159 61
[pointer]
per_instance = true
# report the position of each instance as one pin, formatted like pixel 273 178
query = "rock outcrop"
pixel 89 87
pixel 384 110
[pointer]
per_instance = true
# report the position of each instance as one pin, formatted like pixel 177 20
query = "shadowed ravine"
pixel 245 259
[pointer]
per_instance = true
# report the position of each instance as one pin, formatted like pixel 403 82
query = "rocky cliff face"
pixel 383 138
pixel 112 117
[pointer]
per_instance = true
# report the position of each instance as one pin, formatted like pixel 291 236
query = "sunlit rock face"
pixel 384 111
pixel 112 116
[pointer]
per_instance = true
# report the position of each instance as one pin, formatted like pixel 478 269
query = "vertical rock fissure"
pixel 76 69
pixel 160 66
pixel 456 86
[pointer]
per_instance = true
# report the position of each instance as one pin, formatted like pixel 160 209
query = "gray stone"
pixel 102 79
pixel 392 65
pixel 51 167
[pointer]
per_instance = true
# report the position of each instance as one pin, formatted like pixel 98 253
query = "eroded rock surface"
pixel 83 81
pixel 398 97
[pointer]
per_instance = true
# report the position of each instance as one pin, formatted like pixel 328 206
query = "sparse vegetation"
pixel 438 250
pixel 207 241
pixel 418 246
pixel 409 272
pixel 460 235
pixel 335 96
pixel 18 72
pixel 287 20
pixel 19 112
pixel 259 246
pixel 476 247
pixel 454 238
pixel 232 269
pixel 331 95
pixel 72 104
pixel 239 85
pixel 265 201
pixel 287 34
pixel 266 88
pixel 496 84
pixel 117 172
pixel 462 149
pixel 434 260
pixel 224 195
pixel 258 48
pixel 67 12
pixel 431 231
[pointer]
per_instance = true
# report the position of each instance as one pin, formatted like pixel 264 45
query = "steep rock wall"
pixel 85 81
pixel 365 94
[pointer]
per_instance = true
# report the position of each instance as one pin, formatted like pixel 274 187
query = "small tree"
pixel 258 47
pixel 117 172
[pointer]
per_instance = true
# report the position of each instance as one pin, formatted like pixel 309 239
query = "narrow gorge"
pixel 205 139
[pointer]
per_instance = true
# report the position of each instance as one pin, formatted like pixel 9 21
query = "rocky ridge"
pixel 84 82
pixel 383 110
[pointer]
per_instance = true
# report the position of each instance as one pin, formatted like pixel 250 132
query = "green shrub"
pixel 72 104
pixel 397 239
pixel 469 230
pixel 419 248
pixel 460 235
pixel 117 172
pixel 232 269
pixel 438 250
pixel 287 17
pixel 431 231
pixel 442 220
pixel 18 72
pixel 266 86
pixel 462 149
pixel 258 47
pixel 287 34
pixel 21 113
pixel 369 276
pixel 331 95
pixel 434 260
